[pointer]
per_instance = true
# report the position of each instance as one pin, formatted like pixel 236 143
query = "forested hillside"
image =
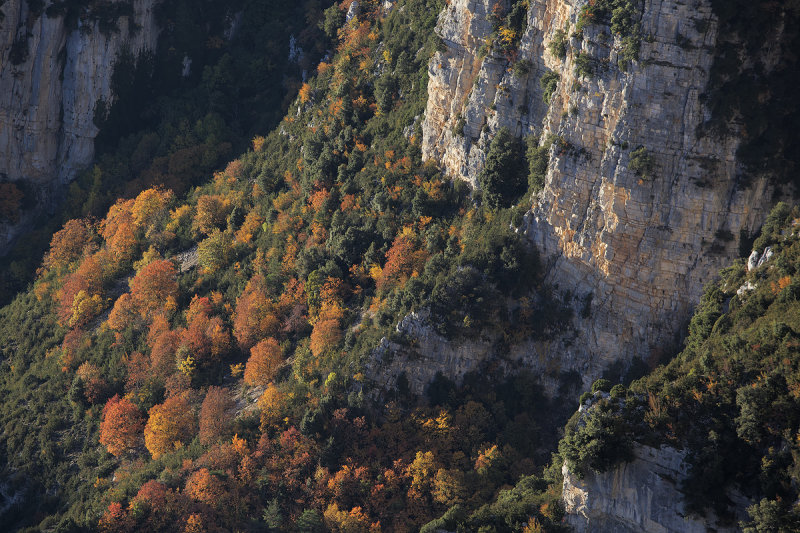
pixel 190 343
pixel 195 362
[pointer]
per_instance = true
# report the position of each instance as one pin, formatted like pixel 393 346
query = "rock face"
pixel 639 248
pixel 640 496
pixel 426 355
pixel 51 78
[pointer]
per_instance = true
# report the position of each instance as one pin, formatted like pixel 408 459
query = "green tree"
pixel 597 441
pixel 503 179
pixel 309 522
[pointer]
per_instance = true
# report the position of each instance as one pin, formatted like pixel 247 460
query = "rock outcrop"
pixel 637 245
pixel 425 354
pixel 640 496
pixel 51 77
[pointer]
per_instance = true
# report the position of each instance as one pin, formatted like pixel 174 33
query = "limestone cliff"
pixel 426 355
pixel 643 495
pixel 53 71
pixel 637 245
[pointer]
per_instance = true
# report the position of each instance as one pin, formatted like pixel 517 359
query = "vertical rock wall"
pixel 640 248
pixel 640 496
pixel 47 101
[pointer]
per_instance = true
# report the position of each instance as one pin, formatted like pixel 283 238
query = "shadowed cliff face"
pixel 51 77
pixel 643 495
pixel 637 210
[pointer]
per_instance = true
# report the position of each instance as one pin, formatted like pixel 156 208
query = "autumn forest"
pixel 213 331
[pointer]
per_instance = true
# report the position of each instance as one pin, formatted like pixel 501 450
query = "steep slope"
pixel 210 361
pixel 54 74
pixel 201 360
pixel 641 495
pixel 169 115
pixel 55 65
pixel 641 204
pixel 723 415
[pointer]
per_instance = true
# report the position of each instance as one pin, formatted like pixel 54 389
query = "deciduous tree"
pixel 151 208
pixel 355 521
pixel 205 338
pixel 116 519
pixel 155 287
pixel 266 357
pixel 206 488
pixel 170 425
pixel 448 487
pixel 68 244
pixel 326 335
pixel 421 471
pixel 255 316
pixel 87 279
pixel 121 427
pixel 119 231
pixel 212 212
pixel 163 345
pixel 215 418
pixel 214 252
pixel 94 386
pixel 271 405
pixel 124 313
pixel 403 260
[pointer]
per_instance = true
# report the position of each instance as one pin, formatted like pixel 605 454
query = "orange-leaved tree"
pixel 68 244
pixel 206 488
pixel 163 346
pixel 76 298
pixel 119 231
pixel 215 419
pixel 255 316
pixel 116 519
pixel 266 358
pixel 165 506
pixel 327 332
pixel 151 208
pixel 355 521
pixel 403 260
pixel 205 338
pixel 124 313
pixel 198 305
pixel 326 335
pixel 271 403
pixel 121 427
pixel 249 228
pixel 155 287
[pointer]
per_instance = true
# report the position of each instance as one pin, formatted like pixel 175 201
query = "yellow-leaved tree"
pixel 170 425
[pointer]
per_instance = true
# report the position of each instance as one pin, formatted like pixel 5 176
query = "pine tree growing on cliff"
pixel 503 178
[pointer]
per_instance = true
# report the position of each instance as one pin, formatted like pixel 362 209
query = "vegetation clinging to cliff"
pixel 730 398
